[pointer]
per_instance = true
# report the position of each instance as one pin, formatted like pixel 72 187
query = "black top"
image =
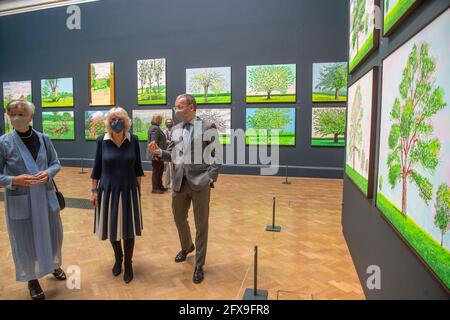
pixel 31 141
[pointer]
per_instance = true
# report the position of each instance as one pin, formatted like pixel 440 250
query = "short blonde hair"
pixel 119 113
pixel 21 105
pixel 156 118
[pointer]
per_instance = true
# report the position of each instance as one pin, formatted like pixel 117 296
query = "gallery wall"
pixel 189 34
pixel 371 238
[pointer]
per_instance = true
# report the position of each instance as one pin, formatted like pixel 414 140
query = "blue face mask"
pixel 117 125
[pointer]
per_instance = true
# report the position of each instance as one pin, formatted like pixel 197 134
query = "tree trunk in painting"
pixel 404 186
pixel 336 94
pixel 336 135
pixel 205 93
pixel 269 94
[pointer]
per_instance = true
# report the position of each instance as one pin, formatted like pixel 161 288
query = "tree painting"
pixel 59 125
pixel 362 33
pixel 330 82
pixel 414 144
pixel 101 84
pixel 16 90
pixel 142 121
pixel 57 92
pixel 94 124
pixel 328 127
pixel 209 85
pixel 221 118
pixel 271 83
pixel 261 123
pixel 151 81
pixel 359 126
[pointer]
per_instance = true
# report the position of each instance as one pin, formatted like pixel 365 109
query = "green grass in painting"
pixel 285 139
pixel 363 51
pixel 63 102
pixel 50 128
pixel 323 97
pixel 396 12
pixel 213 99
pixel 143 136
pixel 147 98
pixel 437 257
pixel 324 142
pixel 358 179
pixel 275 98
pixel 153 101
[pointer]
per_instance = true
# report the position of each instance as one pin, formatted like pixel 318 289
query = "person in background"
pixel 28 164
pixel 168 168
pixel 157 135
pixel 116 189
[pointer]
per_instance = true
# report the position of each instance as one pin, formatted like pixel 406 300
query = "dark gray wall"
pixel 371 240
pixel 194 33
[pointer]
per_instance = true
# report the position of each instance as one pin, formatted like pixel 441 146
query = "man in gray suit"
pixel 193 140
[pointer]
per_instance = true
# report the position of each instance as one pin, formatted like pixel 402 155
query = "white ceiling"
pixel 8 7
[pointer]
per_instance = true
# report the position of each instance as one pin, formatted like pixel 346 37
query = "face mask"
pixel 19 122
pixel 170 125
pixel 117 125
pixel 181 114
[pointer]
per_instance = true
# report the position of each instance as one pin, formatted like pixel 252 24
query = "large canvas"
pixel 209 85
pixel 101 84
pixel 59 125
pixel 221 118
pixel 414 158
pixel 151 81
pixel 363 37
pixel 328 127
pixel 16 90
pixel 359 131
pixel 271 83
pixel 330 82
pixel 142 121
pixel 94 124
pixel 395 11
pixel 57 92
pixel 261 121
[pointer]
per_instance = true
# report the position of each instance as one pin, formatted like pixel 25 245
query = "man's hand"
pixel 41 178
pixel 24 180
pixel 153 148
pixel 94 199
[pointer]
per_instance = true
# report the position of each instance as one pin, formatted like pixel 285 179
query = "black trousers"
pixel 157 174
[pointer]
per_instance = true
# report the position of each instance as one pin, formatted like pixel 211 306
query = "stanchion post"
pixel 273 227
pixel 254 293
pixel 82 166
pixel 286 176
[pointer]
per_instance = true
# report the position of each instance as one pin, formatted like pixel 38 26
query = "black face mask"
pixel 170 125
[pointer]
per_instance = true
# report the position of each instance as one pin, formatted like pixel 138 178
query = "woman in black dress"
pixel 116 184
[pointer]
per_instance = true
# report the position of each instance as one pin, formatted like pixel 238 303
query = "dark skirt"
pixel 118 214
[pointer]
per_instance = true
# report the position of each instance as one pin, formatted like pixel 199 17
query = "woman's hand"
pixel 24 180
pixel 41 177
pixel 94 199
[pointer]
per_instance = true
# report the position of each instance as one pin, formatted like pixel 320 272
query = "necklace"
pixel 28 136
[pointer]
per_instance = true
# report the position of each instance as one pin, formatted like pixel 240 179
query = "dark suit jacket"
pixel 156 134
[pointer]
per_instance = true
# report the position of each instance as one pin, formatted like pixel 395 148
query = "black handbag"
pixel 59 195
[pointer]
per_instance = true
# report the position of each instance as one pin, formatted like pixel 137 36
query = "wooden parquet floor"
pixel 308 259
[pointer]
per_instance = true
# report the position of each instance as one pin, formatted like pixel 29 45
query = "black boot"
pixel 118 254
pixel 128 245
pixel 35 289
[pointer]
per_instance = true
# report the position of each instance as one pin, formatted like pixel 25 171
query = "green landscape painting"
pixel 59 125
pixel 270 126
pixel 414 155
pixel 57 92
pixel 359 128
pixel 16 90
pixel 101 84
pixel 271 83
pixel 142 121
pixel 94 124
pixel 328 127
pixel 151 81
pixel 330 82
pixel 394 11
pixel 221 118
pixel 209 85
pixel 363 35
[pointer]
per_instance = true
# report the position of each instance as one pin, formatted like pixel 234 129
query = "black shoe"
pixel 163 189
pixel 128 274
pixel 35 289
pixel 59 274
pixel 198 275
pixel 181 256
pixel 157 191
pixel 117 268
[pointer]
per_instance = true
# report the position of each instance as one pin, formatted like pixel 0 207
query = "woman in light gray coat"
pixel 28 163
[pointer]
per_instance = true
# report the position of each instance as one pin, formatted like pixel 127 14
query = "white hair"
pixel 21 105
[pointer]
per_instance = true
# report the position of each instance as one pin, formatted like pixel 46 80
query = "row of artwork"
pixel 265 84
pixel 413 173
pixel 364 35
pixel 328 124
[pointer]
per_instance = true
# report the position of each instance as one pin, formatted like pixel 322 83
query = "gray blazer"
pixel 198 175
pixel 156 134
